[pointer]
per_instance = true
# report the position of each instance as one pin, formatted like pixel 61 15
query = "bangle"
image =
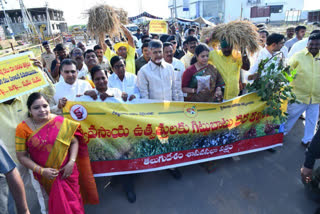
pixel 41 171
pixel 34 168
pixel 72 159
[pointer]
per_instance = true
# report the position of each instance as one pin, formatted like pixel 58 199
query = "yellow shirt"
pixel 186 59
pixel 130 60
pixel 306 84
pixel 229 68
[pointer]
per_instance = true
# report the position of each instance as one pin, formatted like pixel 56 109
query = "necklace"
pixel 42 139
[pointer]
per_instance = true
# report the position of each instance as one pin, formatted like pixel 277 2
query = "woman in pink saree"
pixel 52 147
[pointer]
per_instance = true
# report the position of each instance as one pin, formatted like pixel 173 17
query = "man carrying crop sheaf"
pixel 229 63
pixel 126 50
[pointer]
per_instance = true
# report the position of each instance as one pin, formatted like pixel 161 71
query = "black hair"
pixel 274 38
pixel 33 97
pixel 167 44
pixel 147 40
pixel 45 43
pixel 89 51
pixel 184 42
pixel 314 36
pixel 116 59
pixel 264 31
pixel 191 30
pixel 97 47
pixel 170 38
pixel 67 62
pixel 300 27
pixel 95 69
pixel 315 31
pixel 144 37
pixel 191 39
pixel 60 47
pixel 144 45
pixel 199 49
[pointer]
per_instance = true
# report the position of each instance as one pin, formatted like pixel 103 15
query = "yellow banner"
pixel 158 27
pixel 147 135
pixel 18 76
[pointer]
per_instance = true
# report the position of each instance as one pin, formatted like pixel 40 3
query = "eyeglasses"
pixel 174 42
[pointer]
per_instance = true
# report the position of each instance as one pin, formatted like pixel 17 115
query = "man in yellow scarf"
pixel 126 50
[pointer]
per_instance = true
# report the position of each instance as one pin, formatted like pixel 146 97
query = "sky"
pixel 74 10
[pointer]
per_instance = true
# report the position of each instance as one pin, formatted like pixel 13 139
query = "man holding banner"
pixel 157 80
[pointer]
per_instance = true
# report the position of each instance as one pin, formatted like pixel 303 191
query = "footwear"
pixel 131 196
pixel 305 144
pixel 176 174
pixel 301 117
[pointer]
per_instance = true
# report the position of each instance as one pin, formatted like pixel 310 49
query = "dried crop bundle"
pixel 103 19
pixel 240 34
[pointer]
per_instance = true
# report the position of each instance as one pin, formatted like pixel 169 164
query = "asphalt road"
pixel 262 183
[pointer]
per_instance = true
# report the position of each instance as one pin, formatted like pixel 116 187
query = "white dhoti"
pixel 312 113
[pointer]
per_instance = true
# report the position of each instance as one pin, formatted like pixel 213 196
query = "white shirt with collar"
pixel 159 82
pixel 83 72
pixel 179 69
pixel 70 92
pixel 263 55
pixel 128 85
pixel 298 46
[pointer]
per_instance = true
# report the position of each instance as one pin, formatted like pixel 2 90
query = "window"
pixel 257 12
pixel 276 9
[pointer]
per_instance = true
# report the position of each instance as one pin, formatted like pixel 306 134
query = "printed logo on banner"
pixel 78 112
pixel 190 110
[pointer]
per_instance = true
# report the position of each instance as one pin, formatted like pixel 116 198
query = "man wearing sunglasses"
pixel 178 54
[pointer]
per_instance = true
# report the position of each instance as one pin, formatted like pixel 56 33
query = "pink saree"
pixel 49 147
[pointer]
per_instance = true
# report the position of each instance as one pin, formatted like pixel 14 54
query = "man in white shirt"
pixel 274 44
pixel 103 61
pixel 102 93
pixel 126 82
pixel 300 32
pixel 176 63
pixel 77 55
pixel 300 45
pixel 90 59
pixel 157 79
pixel 71 87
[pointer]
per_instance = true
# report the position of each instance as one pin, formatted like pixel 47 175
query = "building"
pixel 274 11
pixel 39 18
pixel 314 16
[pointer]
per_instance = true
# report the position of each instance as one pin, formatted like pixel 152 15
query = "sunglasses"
pixel 174 42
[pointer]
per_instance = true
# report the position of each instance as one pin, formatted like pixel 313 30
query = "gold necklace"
pixel 45 139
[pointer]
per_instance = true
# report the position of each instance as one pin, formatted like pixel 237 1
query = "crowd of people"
pixel 173 67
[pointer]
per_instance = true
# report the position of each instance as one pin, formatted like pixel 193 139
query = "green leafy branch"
pixel 273 86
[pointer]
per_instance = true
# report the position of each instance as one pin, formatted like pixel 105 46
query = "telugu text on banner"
pixel 19 76
pixel 132 138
